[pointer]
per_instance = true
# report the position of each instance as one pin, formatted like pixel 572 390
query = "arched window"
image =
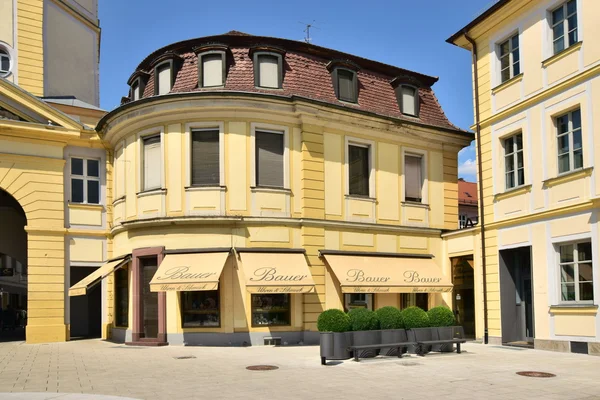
pixel 5 62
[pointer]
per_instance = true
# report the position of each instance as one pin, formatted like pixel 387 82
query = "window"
pixel 163 78
pixel 4 63
pixel 359 170
pixel 462 221
pixel 205 157
pixel 85 181
pixel 576 272
pixel 345 85
pixel 269 159
pixel 413 178
pixel 135 91
pixel 271 310
pixel 514 169
pixel 268 70
pixel 564 26
pixel 358 300
pixel 119 172
pixel 570 152
pixel 151 178
pixel 212 69
pixel 409 100
pixel 200 309
pixel 122 296
pixel 414 299
pixel 509 58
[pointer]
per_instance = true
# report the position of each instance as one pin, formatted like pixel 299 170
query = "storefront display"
pixel 358 300
pixel 200 309
pixel 270 310
pixel 122 297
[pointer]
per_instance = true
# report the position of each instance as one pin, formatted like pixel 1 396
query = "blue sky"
pixel 406 33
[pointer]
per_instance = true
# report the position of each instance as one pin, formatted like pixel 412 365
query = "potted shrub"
pixel 415 321
pixel 443 319
pixel 364 325
pixel 392 329
pixel 335 336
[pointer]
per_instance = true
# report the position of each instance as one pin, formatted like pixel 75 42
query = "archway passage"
pixel 13 269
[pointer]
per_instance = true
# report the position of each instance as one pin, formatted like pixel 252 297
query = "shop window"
pixel 345 84
pixel 413 178
pixel 200 309
pixel 576 272
pixel 509 58
pixel 564 26
pixel 205 157
pixel 358 300
pixel 569 143
pixel 408 97
pixel 414 299
pixel 85 181
pixel 122 297
pixel 514 170
pixel 359 170
pixel 271 310
pixel 151 163
pixel 211 69
pixel 269 158
pixel 163 78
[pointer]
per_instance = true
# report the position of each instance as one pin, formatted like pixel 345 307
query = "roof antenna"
pixel 307 38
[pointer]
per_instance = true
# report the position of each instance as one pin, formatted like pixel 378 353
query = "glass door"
pixel 149 299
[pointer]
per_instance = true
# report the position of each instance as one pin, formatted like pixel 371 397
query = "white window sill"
pixel 151 192
pixel 86 206
pixel 415 204
pixel 266 189
pixel 361 198
pixel 205 188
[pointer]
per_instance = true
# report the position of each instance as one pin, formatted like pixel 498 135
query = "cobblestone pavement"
pixel 97 367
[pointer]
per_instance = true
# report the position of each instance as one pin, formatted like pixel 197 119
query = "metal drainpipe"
pixel 480 170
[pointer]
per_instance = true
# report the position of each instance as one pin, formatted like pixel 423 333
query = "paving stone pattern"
pixel 97 367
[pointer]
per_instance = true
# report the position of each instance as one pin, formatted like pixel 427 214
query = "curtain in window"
pixel 413 179
pixel 268 71
pixel 152 163
pixel 358 170
pixel 212 70
pixel 164 79
pixel 205 158
pixel 346 85
pixel 269 159
pixel 408 101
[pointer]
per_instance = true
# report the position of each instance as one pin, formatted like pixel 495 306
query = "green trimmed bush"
pixel 441 316
pixel 390 318
pixel 333 320
pixel 362 319
pixel 415 317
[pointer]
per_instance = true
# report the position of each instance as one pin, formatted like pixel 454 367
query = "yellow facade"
pixel 551 207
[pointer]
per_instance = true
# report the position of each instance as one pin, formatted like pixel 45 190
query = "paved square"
pixel 480 372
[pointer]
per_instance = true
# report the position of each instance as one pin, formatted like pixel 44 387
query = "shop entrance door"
pixel 516 297
pixel 149 299
pixel 463 294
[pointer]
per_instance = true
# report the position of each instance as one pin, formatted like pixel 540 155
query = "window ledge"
pixel 513 192
pixel 151 192
pixel 576 308
pixel 559 56
pixel 415 204
pixel 515 79
pixel 85 206
pixel 118 201
pixel 568 176
pixel 360 198
pixel 205 188
pixel 269 88
pixel 267 189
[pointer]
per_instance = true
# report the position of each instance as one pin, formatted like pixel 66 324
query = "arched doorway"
pixel 13 269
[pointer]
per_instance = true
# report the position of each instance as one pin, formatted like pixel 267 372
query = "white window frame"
pixel 514 154
pixel 189 127
pixel 370 144
pixel 119 167
pixel 462 220
pixel 575 263
pixel 511 63
pixel 279 129
pixel 140 171
pixel 424 170
pixel 569 133
pixel 171 66
pixel 85 178
pixel 566 28
pixel 12 61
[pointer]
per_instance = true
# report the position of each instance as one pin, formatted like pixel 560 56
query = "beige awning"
pixel 81 287
pixel 189 272
pixel 276 273
pixel 374 274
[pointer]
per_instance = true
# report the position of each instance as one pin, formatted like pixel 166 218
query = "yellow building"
pixel 48 109
pixel 536 86
pixel 255 182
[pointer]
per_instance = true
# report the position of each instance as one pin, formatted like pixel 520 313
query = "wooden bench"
pixel 458 337
pixel 356 349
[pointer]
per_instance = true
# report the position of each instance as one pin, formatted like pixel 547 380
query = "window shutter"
pixel 358 170
pixel 164 79
pixel 413 179
pixel 408 101
pixel 346 85
pixel 212 70
pixel 269 159
pixel 152 163
pixel 205 158
pixel 268 71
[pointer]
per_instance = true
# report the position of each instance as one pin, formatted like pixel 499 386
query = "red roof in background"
pixel 467 192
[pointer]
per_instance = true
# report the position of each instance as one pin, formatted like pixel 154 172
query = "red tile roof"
pixel 305 75
pixel 467 192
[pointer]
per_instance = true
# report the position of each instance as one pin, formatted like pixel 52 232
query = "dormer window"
pixel 211 69
pixel 268 71
pixel 408 97
pixel 135 91
pixel 137 84
pixel 345 85
pixel 163 78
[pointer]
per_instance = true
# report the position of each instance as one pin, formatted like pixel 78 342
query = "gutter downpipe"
pixel 480 170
